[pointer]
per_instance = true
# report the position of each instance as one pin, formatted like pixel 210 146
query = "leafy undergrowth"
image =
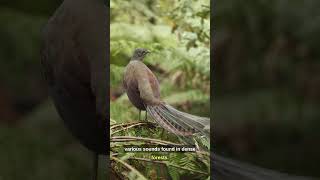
pixel 140 165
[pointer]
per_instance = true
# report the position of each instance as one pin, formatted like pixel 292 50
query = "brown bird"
pixel 74 61
pixel 143 91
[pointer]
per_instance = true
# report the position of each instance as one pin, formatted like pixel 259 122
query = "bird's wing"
pixel 144 85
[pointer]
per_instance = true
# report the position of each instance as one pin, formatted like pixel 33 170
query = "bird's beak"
pixel 148 52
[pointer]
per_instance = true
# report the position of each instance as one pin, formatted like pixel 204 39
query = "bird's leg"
pixel 146 116
pixel 95 166
pixel 139 114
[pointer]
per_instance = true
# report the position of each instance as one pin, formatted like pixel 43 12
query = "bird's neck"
pixel 136 59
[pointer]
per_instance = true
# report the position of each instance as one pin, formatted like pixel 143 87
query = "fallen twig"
pixel 131 138
pixel 128 166
pixel 131 125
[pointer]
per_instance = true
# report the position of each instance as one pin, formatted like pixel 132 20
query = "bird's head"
pixel 139 54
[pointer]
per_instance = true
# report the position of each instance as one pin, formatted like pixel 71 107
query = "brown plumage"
pixel 141 85
pixel 143 91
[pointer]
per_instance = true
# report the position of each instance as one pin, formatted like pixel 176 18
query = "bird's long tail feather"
pixel 179 123
pixel 185 125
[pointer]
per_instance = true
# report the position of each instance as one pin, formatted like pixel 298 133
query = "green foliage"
pixel 177 164
pixel 19 51
pixel 170 43
pixel 180 59
pixel 267 44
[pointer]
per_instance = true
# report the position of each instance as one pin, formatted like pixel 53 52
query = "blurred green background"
pixel 265 92
pixel 34 143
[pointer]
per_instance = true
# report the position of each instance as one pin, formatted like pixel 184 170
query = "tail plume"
pixel 179 123
pixel 186 125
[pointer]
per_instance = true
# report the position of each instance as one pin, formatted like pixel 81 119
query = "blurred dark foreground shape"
pixel 228 169
pixel 75 63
